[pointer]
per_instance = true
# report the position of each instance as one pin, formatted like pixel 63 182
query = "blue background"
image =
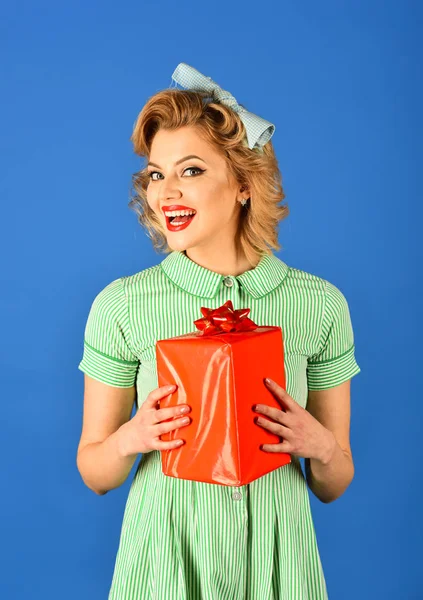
pixel 341 82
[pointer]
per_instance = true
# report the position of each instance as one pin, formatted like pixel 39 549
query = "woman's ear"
pixel 243 192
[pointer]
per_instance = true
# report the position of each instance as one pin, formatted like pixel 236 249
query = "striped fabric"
pixel 187 540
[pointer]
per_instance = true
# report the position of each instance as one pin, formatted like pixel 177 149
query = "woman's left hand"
pixel 303 435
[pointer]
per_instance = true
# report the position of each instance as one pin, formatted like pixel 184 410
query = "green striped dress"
pixel 188 540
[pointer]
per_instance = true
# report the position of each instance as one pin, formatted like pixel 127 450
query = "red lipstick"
pixel 176 207
pixel 187 220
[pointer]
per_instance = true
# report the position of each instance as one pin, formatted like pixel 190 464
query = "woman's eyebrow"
pixel 181 160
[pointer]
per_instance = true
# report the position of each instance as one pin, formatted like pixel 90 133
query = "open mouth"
pixel 178 222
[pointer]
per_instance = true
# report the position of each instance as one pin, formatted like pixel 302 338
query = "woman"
pixel 210 198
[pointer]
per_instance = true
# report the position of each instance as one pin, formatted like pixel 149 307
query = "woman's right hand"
pixel 141 434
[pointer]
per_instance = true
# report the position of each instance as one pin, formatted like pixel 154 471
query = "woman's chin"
pixel 177 243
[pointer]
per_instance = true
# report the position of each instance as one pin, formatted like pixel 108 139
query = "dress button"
pixel 228 282
pixel 236 496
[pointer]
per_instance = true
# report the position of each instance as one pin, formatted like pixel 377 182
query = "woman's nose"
pixel 169 189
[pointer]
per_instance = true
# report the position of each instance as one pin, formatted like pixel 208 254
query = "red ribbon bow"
pixel 224 320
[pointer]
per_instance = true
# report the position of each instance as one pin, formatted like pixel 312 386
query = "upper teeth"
pixel 179 213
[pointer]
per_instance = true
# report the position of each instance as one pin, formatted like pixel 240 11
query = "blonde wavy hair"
pixel 257 169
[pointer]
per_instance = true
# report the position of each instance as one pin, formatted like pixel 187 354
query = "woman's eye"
pixel 199 171
pixel 194 169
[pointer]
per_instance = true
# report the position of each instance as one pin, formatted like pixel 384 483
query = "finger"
pixel 276 414
pixel 283 447
pixel 281 394
pixel 275 428
pixel 159 445
pixel 156 395
pixel 167 426
pixel 162 414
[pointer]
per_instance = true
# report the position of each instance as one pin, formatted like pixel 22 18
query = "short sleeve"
pixel 107 353
pixel 335 361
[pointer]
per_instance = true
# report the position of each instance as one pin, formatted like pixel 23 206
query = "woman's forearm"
pixel 329 478
pixel 105 466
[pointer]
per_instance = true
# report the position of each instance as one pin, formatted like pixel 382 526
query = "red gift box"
pixel 220 371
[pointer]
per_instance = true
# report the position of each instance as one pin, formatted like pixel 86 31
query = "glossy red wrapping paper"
pixel 219 372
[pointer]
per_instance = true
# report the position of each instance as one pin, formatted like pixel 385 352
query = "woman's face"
pixel 202 185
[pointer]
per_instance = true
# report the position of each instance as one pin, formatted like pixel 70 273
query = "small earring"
pixel 244 201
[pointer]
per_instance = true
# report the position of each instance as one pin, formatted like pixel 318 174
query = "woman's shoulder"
pixel 305 279
pixel 120 288
pixel 139 276
pixel 310 284
pixel 144 282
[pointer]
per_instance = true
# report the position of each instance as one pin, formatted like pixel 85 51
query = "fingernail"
pixel 184 409
pixel 268 381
